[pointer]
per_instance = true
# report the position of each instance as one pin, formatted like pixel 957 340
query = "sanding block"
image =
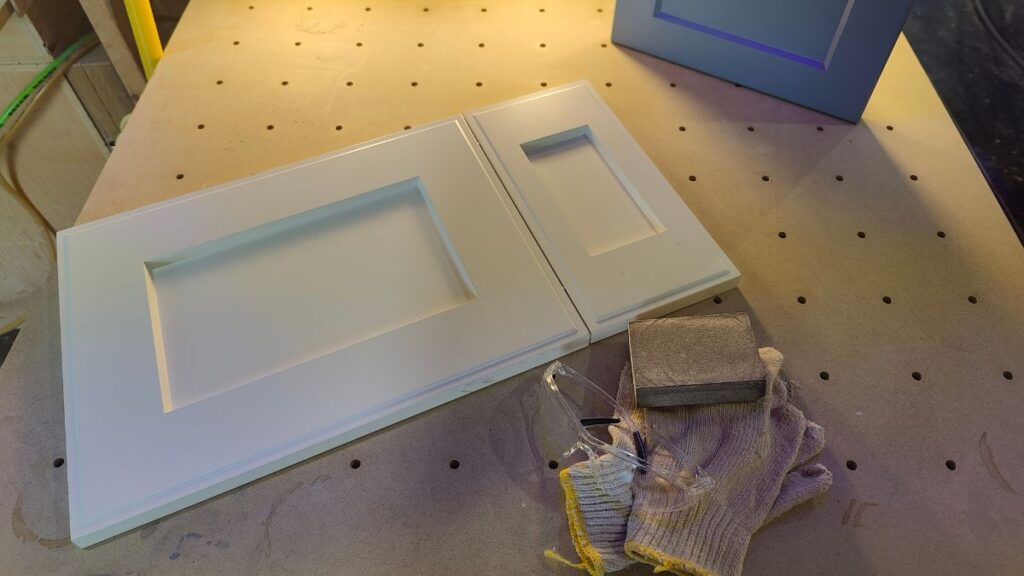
pixel 695 360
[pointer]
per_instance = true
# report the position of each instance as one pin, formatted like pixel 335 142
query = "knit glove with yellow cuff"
pixel 757 453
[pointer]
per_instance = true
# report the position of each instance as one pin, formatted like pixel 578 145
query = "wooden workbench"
pixel 907 390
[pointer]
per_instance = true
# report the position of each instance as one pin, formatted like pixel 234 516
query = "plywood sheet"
pixel 18 44
pixel 97 85
pixel 405 509
pixel 56 158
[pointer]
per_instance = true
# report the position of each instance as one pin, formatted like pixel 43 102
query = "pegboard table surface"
pixel 874 257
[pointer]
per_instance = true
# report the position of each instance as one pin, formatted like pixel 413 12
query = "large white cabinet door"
pixel 620 239
pixel 220 336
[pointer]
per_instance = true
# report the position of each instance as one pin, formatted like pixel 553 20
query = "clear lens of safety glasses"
pixel 583 418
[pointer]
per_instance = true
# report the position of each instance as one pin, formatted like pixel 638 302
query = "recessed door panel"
pixel 801 30
pixel 601 210
pixel 412 273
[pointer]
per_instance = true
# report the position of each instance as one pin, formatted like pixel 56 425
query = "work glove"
pixel 598 500
pixel 751 450
pixel 599 496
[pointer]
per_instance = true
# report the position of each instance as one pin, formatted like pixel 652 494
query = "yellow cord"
pixel 33 211
pixel 558 558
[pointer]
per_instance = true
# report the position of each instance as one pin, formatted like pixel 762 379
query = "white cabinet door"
pixel 220 336
pixel 620 239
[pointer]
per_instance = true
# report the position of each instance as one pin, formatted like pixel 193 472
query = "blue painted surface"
pixel 823 54
pixel 766 25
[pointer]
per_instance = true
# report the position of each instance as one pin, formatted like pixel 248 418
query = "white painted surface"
pixel 214 338
pixel 598 208
pixel 622 242
pixel 365 266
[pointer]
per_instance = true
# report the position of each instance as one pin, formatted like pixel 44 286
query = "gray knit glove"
pixel 598 500
pixel 750 449
pixel 598 495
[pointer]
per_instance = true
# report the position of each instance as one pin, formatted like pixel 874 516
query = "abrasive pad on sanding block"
pixel 695 360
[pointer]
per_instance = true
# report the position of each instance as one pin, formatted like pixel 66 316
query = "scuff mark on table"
pixel 26 534
pixel 265 540
pixel 181 543
pixel 990 464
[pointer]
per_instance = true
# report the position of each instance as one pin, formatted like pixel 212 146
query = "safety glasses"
pixel 584 418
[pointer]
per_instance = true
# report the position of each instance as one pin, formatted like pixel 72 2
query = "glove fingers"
pixel 799 486
pixel 598 499
pixel 778 391
pixel 811 445
pixel 772 360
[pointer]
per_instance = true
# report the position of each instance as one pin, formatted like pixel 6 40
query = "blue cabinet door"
pixel 823 54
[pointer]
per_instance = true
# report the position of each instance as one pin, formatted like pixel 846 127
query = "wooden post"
pixel 117 47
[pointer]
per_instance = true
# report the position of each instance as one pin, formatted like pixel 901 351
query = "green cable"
pixel 41 77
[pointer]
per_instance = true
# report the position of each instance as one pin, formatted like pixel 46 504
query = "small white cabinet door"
pixel 217 337
pixel 620 239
